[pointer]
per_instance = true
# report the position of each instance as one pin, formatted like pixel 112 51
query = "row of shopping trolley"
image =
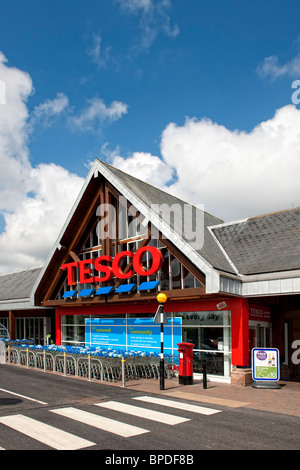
pixel 92 367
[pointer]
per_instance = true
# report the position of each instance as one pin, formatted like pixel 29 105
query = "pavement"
pixel 285 399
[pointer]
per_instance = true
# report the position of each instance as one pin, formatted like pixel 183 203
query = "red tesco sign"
pixel 112 266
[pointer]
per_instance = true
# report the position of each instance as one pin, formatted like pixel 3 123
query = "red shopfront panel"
pixel 239 319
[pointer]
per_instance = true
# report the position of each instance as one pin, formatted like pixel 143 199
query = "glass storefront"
pixel 210 332
pixel 260 336
pixel 31 329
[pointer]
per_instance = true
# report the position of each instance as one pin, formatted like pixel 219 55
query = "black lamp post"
pixel 162 298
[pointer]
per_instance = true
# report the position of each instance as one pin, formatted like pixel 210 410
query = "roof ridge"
pixel 20 271
pixel 275 212
pixel 157 189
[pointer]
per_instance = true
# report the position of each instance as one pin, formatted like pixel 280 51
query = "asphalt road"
pixel 44 411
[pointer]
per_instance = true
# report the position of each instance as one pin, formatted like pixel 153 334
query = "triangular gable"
pixel 100 187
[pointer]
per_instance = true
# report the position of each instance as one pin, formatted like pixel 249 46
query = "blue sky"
pixel 107 78
pixel 207 69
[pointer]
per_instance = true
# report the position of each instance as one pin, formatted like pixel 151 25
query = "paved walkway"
pixel 285 400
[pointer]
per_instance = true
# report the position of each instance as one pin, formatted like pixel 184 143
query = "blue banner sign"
pixel 134 333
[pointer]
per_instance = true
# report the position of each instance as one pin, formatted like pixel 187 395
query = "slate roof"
pixel 18 285
pixel 150 195
pixel 263 244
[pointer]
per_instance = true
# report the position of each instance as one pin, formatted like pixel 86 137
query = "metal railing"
pixel 90 366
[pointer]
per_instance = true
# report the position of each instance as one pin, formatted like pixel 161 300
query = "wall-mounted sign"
pixel 110 267
pixel 265 364
pixel 221 305
pixel 141 334
pixel 259 313
pixel 205 318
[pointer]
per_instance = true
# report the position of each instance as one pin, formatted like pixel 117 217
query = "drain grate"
pixel 89 400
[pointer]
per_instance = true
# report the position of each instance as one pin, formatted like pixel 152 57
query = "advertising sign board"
pixel 265 364
pixel 141 334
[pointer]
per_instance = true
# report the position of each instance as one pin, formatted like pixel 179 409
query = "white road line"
pixel 49 435
pixel 180 406
pixel 142 412
pixel 100 422
pixel 23 396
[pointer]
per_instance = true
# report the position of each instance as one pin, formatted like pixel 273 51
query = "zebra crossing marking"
pixel 62 440
pixel 143 412
pixel 23 396
pixel 178 405
pixel 100 422
pixel 49 435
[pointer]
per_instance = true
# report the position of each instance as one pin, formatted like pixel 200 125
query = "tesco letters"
pixel 112 266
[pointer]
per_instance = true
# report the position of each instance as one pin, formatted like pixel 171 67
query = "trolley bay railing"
pixel 104 365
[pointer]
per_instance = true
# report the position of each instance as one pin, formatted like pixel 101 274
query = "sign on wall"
pixel 265 364
pixel 141 334
pixel 259 313
pixel 89 269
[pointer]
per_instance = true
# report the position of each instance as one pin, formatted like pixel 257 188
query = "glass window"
pixel 73 319
pixel 175 273
pixel 73 334
pixel 209 331
pixel 122 225
pixel 4 322
pixel 214 363
pixel 188 278
pixel 210 318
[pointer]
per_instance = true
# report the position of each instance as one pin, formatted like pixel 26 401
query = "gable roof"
pixel 151 196
pixel 18 285
pixel 263 244
pixel 142 196
pixel 258 245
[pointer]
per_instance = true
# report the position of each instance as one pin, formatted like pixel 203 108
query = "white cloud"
pixel 33 226
pixel 234 174
pixel 271 68
pixel 100 55
pixel 135 6
pixel 45 112
pixel 97 113
pixel 146 167
pixel 33 201
pixel 14 162
pixel 154 18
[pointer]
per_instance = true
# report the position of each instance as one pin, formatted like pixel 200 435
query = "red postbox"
pixel 185 363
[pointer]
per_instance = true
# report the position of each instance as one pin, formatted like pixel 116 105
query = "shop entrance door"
pixel 260 327
pixel 260 336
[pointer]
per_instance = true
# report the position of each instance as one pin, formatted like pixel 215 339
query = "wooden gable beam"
pixel 183 260
pixel 71 248
pixel 129 265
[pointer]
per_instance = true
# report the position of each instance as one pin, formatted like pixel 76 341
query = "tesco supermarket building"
pixel 230 287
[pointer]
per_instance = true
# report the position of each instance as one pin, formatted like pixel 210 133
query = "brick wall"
pixel 242 377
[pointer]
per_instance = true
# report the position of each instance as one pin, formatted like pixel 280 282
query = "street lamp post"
pixel 162 298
